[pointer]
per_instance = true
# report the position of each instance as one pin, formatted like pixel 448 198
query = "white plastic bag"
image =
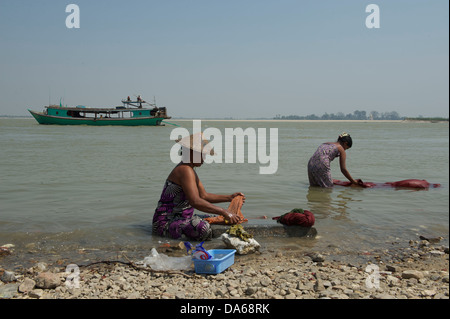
pixel 163 262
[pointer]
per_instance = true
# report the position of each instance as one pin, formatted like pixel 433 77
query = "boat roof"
pixel 95 109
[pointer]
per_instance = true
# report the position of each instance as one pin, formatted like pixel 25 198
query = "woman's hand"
pixel 230 217
pixel 238 194
pixel 358 182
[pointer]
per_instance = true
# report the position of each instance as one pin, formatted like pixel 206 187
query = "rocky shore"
pixel 418 271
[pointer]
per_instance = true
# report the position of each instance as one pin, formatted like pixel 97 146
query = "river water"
pixel 67 190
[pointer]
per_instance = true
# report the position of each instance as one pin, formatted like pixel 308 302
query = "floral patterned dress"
pixel 319 172
pixel 174 216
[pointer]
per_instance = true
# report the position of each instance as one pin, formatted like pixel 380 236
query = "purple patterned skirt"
pixel 174 217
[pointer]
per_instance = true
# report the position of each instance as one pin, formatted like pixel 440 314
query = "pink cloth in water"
pixel 407 183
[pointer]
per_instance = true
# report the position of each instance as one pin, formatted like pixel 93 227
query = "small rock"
pixel 27 285
pixel 234 292
pixel 220 293
pixel 40 267
pixel 8 276
pixel 433 240
pixel 428 292
pixel 392 281
pixel 435 277
pixel 134 295
pixel 180 295
pixel 339 287
pixel 4 251
pixel 335 282
pixel 265 282
pixel 415 274
pixel 47 280
pixel 317 258
pixel 220 277
pixel 392 268
pixel 278 269
pixel 318 286
pixel 383 296
pixel 250 291
pixel 180 246
pixel 8 291
pixel 436 253
pixel 36 293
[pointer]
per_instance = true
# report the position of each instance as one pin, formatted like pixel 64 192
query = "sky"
pixel 233 58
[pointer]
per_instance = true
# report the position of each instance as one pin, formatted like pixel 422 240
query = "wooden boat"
pixel 132 113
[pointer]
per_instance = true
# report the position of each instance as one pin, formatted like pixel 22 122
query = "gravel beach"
pixel 417 271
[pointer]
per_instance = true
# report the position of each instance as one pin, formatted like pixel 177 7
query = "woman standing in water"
pixel 183 192
pixel 319 172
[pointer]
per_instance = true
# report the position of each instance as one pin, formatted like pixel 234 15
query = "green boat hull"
pixel 57 120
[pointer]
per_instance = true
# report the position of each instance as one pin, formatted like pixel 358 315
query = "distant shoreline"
pixel 426 121
pixel 311 121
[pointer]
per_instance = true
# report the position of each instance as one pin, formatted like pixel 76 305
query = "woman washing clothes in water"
pixel 319 172
pixel 183 192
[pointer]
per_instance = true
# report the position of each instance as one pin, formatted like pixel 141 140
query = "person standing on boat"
pixel 319 172
pixel 183 192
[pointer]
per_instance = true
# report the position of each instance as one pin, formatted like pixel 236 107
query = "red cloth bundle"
pixel 413 183
pixel 297 217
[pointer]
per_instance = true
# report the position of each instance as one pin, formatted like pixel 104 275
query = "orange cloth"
pixel 234 208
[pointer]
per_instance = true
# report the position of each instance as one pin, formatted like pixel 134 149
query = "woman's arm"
pixel 212 198
pixel 215 198
pixel 342 164
pixel 188 180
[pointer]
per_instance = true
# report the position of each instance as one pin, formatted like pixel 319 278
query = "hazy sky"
pixel 233 58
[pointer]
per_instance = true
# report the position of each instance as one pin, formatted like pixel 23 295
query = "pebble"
pixel 36 293
pixel 316 257
pixel 47 280
pixel 8 276
pixel 392 268
pixel 415 274
pixel 27 285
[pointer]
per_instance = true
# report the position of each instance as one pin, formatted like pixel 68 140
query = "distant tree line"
pixel 356 115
